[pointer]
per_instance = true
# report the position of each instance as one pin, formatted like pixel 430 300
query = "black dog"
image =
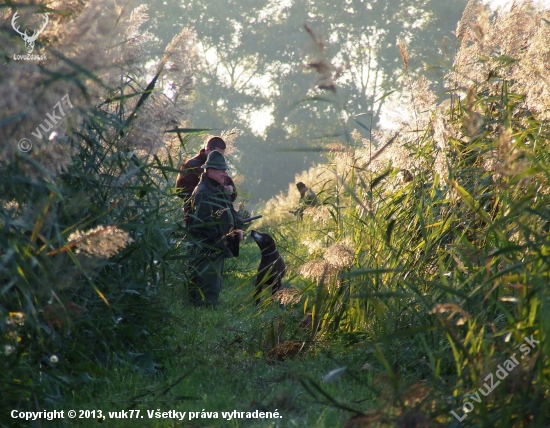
pixel 272 266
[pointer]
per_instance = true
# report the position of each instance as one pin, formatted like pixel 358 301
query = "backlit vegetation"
pixel 430 252
pixel 86 214
pixel 424 267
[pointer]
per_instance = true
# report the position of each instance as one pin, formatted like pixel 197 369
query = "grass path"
pixel 217 361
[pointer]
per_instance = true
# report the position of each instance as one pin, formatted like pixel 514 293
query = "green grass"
pixel 216 361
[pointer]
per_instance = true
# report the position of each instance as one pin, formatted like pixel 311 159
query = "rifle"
pixel 233 241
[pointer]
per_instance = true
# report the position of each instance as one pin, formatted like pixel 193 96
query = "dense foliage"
pixel 253 56
pixel 424 267
pixel 85 212
pixel 430 250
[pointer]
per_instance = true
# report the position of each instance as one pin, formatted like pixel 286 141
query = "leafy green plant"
pixel 86 219
pixel 442 232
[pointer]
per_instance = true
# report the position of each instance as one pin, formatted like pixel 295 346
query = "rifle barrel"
pixel 248 219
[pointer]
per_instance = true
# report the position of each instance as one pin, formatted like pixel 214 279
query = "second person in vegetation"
pixel 308 198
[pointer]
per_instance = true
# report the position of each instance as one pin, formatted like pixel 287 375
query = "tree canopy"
pixel 254 76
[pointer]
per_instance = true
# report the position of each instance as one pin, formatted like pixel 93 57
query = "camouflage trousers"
pixel 205 280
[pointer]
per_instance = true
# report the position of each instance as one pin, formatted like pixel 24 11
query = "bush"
pixel 86 214
pixel 430 249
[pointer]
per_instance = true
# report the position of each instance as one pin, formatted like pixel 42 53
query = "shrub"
pixel 431 245
pixel 86 215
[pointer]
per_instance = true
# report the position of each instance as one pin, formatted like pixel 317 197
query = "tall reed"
pixel 441 267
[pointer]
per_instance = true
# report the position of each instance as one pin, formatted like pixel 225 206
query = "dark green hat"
pixel 215 160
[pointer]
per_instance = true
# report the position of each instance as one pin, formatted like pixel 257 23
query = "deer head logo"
pixel 29 40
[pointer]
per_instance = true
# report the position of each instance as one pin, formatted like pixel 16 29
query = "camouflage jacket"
pixel 213 218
